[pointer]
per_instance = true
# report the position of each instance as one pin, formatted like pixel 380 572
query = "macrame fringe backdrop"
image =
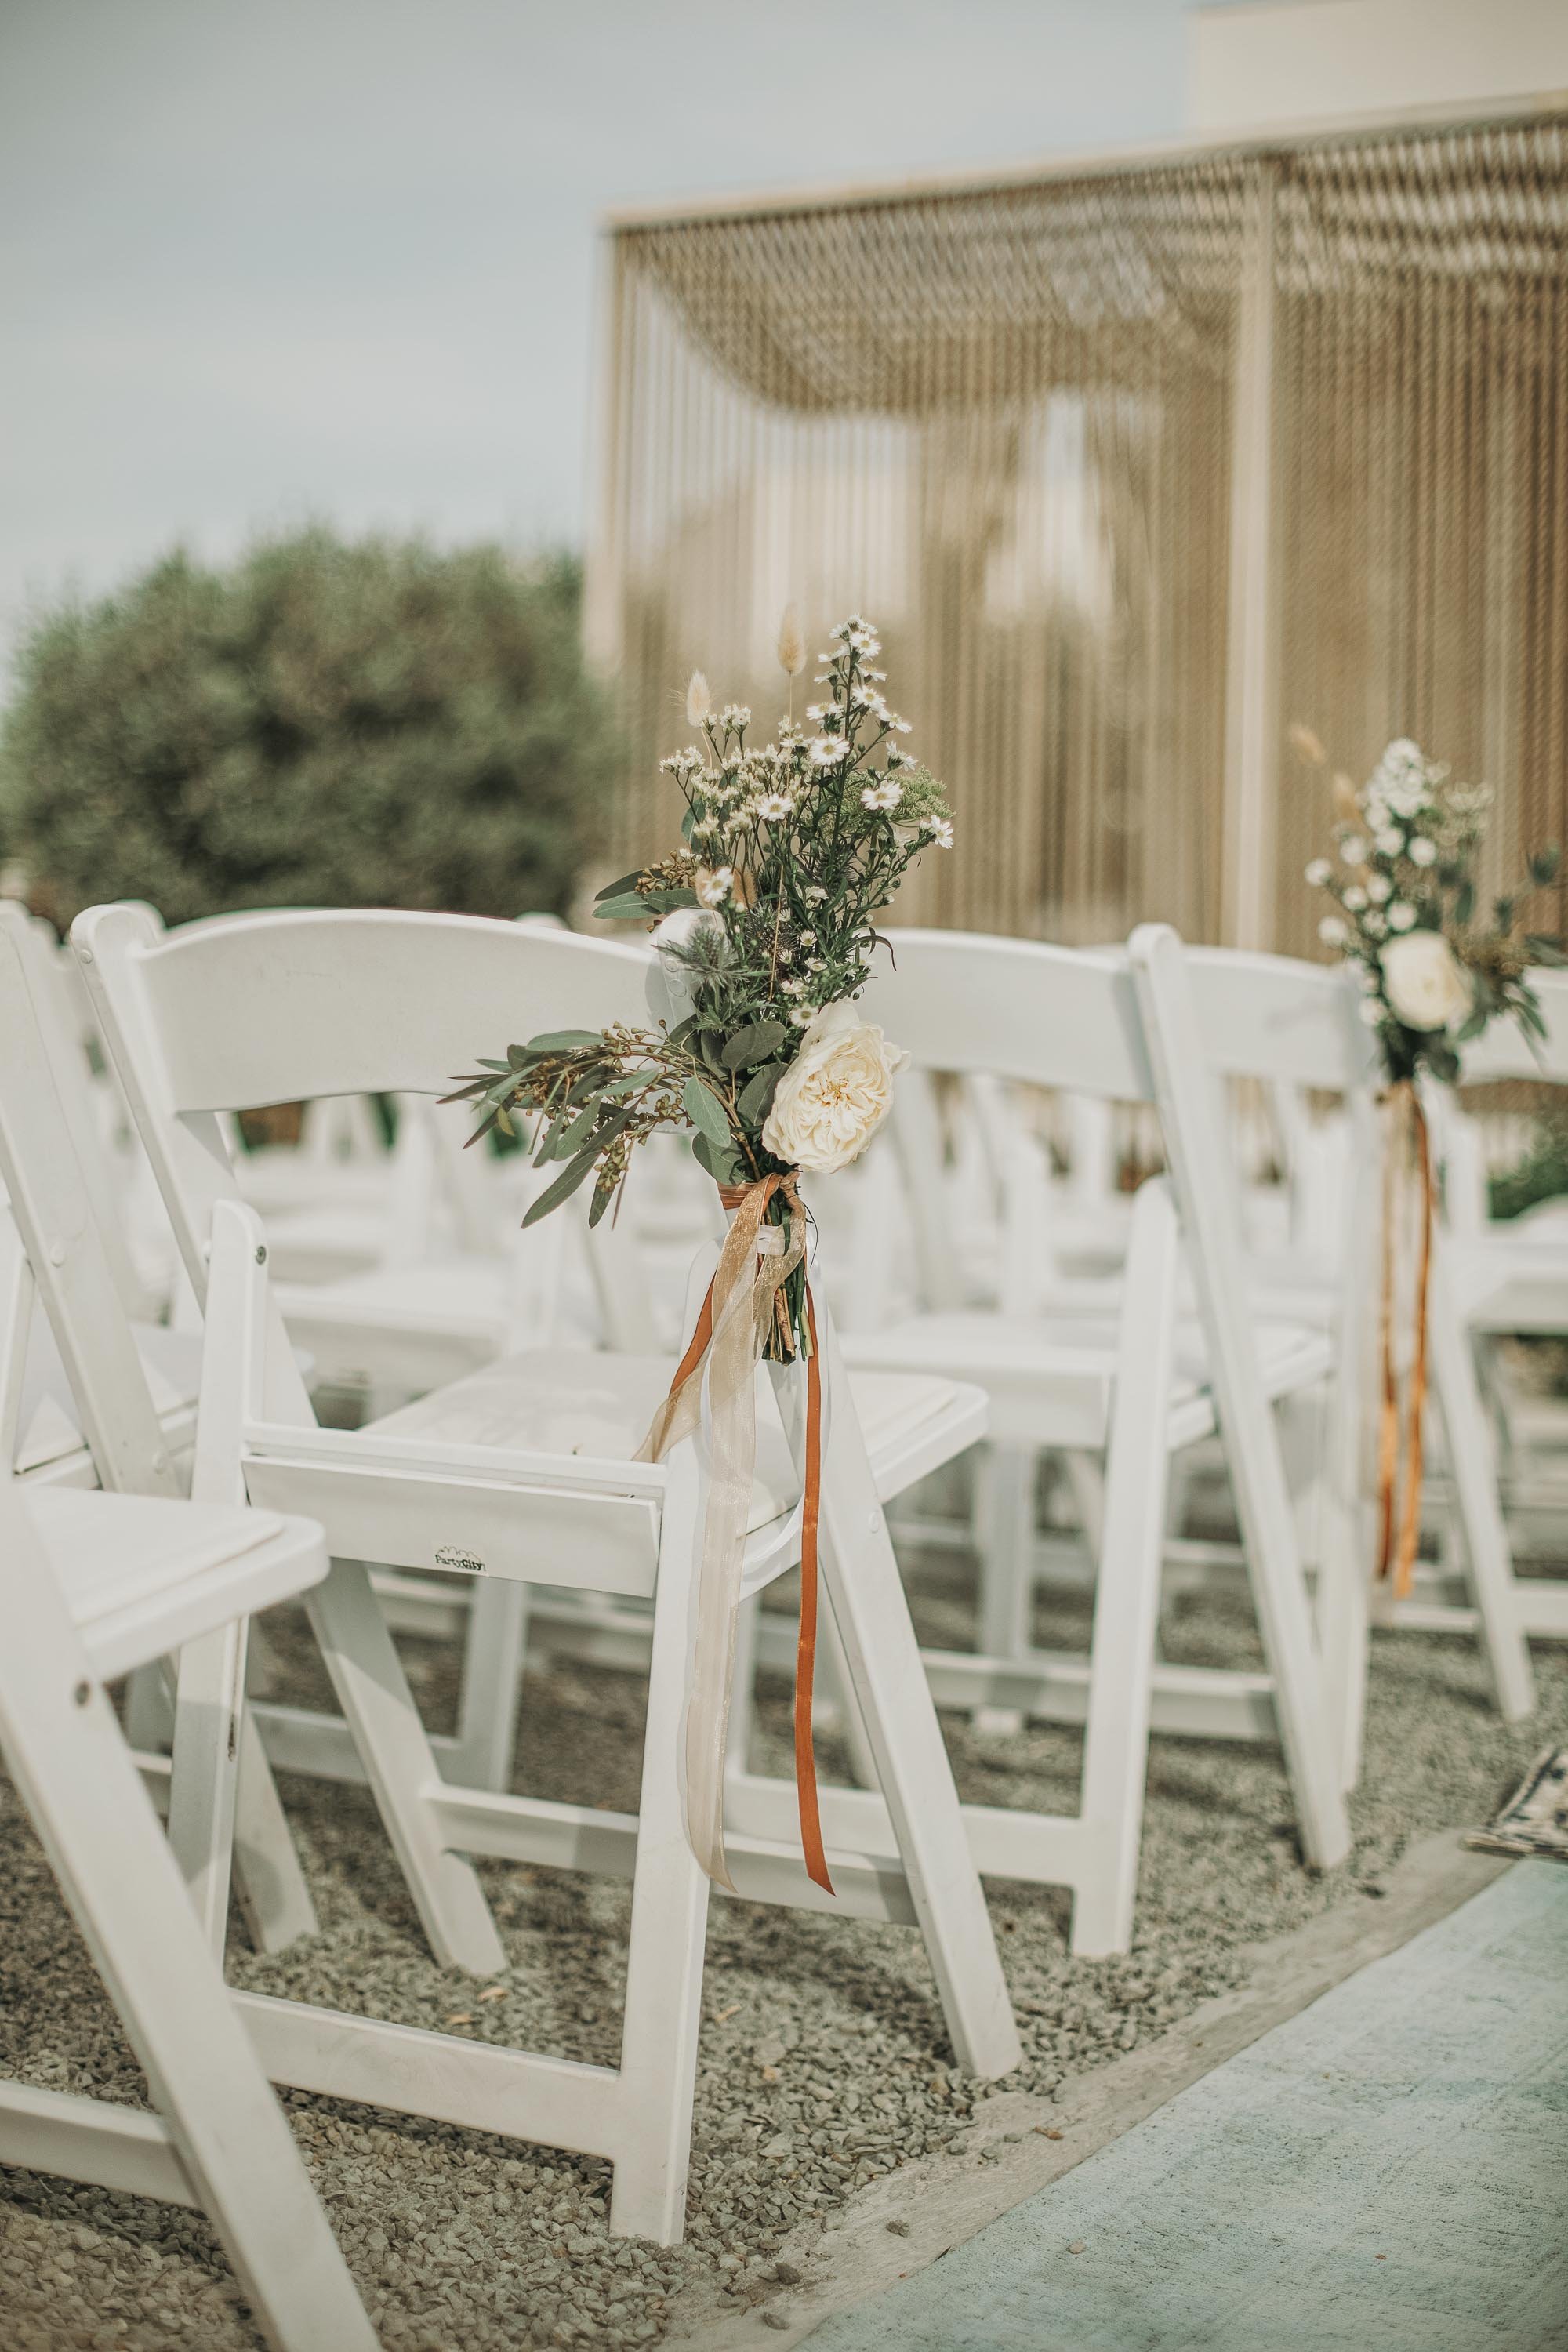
pixel 1133 469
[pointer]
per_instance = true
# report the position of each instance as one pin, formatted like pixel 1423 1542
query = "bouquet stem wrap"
pixel 715 1387
pixel 1407 1213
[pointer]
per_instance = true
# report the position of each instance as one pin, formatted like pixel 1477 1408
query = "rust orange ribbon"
pixel 744 1296
pixel 1399 1497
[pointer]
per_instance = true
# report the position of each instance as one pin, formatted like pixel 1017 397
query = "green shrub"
pixel 321 724
pixel 1541 1175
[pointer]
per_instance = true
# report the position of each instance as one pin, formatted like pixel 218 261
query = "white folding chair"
pixel 1213 1013
pixel 91 1586
pixel 280 1007
pixel 1137 1392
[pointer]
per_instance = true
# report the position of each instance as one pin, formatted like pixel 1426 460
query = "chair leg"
pixel 373 1691
pixel 66 1756
pixel 889 1681
pixel 1006 1499
pixel 1492 1585
pixel 850 1723
pixel 1127 1593
pixel 493 1651
pixel 205 1774
pixel 669 1918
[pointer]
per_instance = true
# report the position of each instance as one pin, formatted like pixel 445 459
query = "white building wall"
pixel 1266 62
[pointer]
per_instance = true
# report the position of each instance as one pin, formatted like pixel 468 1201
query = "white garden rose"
pixel 835 1094
pixel 1424 985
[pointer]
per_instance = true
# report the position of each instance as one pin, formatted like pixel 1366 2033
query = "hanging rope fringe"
pixel 1407 1203
pixel 714 1392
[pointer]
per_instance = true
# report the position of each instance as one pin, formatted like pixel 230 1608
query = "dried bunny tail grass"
pixel 699 698
pixel 792 643
pixel 1307 746
pixel 1346 803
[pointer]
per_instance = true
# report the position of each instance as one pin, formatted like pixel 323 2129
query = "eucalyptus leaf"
pixel 708 1115
pixel 565 1041
pixel 1464 904
pixel 724 1166
pixel 629 908
pixel 758 1044
pixel 614 889
pixel 665 901
pixel 562 1189
pixel 757 1093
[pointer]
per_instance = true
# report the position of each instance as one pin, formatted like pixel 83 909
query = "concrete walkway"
pixel 1388 2169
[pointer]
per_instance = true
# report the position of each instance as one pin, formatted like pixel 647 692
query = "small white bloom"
pixel 1423 850
pixel 901 726
pixel 827 750
pixel 813 894
pixel 699 698
pixel 1354 898
pixel 715 887
pixel 939 829
pixel 1379 889
pixel 1402 916
pixel 1332 932
pixel 1426 985
pixel 1318 872
pixel 1388 841
pixel 885 796
pixel 808 939
pixel 803 1016
pixel 1372 924
pixel 773 807
pixel 835 1094
pixel 1371 1012
pixel 793 987
pixel 1352 849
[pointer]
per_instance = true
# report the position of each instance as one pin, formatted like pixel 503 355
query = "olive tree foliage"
pixel 323 723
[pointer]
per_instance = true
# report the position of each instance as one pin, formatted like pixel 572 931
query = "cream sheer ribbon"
pixel 714 1399
pixel 1407 1210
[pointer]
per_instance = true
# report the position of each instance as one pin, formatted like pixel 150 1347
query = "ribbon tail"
pixel 1416 1420
pixel 805 1651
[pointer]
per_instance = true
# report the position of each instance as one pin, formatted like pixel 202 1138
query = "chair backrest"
pixel 61 1015
pixel 1013 1008
pixel 1505 1050
pixel 256 1008
pixel 63 1258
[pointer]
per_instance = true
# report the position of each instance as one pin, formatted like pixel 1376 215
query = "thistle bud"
pixel 792 645
pixel 699 698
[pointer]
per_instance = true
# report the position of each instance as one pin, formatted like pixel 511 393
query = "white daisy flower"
pixel 941 831
pixel 773 807
pixel 715 887
pixel 885 796
pixel 827 750
pixel 1318 872
pixel 1423 850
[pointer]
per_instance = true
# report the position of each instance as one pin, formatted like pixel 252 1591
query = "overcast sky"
pixel 267 259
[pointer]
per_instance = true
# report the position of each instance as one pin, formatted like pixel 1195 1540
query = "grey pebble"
pixel 462 2240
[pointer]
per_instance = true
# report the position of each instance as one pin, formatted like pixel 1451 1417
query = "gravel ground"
pixel 823 2061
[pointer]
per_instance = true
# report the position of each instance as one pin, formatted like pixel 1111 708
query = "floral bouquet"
pixel 1405 885
pixel 1432 978
pixel 765 925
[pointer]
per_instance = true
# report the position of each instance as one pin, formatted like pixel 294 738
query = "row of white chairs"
pixel 515 1479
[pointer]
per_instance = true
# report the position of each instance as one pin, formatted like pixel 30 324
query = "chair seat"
pixel 49 1423
pixel 1050 1378
pixel 571 1400
pixel 143 1575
